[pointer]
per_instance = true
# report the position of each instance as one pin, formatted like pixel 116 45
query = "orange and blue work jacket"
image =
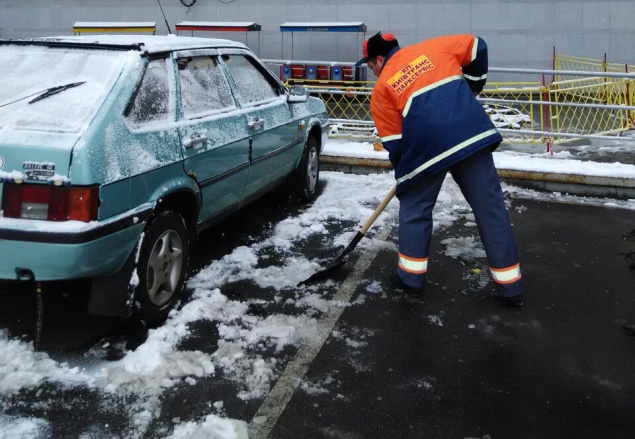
pixel 424 107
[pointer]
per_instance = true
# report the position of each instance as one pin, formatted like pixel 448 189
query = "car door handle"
pixel 194 140
pixel 256 123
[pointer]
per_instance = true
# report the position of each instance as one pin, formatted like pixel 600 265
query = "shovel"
pixel 337 262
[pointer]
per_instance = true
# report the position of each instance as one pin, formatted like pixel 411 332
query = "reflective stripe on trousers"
pixel 413 265
pixel 506 275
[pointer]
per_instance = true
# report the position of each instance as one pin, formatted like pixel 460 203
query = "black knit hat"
pixel 377 45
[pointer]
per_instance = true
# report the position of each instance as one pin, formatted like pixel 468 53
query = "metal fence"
pixel 558 106
pixel 575 104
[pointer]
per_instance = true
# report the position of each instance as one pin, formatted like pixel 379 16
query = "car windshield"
pixel 40 86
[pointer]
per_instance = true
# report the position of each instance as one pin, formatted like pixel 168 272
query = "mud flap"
pixel 113 295
pixel 25 275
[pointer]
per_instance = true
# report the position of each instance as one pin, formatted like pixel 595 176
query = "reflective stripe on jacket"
pixel 424 107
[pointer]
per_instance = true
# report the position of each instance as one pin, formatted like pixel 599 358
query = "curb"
pixel 574 184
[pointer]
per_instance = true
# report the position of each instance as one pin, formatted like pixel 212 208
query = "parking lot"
pixel 348 357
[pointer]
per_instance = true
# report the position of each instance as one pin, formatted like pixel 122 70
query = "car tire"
pixel 161 267
pixel 306 177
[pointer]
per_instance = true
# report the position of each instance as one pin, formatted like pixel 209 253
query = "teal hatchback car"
pixel 116 151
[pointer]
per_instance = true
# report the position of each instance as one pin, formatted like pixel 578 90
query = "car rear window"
pixel 55 89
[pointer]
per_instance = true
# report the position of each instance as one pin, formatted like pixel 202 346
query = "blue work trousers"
pixel 477 178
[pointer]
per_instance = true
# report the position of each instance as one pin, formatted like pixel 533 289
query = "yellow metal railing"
pixel 348 106
pixel 603 92
pixel 568 62
pixel 602 117
pixel 513 107
pixel 557 109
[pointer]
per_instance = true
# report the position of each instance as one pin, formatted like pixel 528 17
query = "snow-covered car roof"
pixel 29 68
pixel 147 43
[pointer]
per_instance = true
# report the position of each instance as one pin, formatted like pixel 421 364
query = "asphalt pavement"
pixel 458 364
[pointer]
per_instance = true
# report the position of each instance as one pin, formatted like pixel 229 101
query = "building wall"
pixel 520 33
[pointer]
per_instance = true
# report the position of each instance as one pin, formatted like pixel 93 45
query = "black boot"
pixel 398 284
pixel 514 301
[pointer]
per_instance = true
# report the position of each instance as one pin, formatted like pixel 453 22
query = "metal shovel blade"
pixel 324 272
pixel 336 263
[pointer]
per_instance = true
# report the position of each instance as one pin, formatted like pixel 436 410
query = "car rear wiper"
pixel 54 90
pixel 42 94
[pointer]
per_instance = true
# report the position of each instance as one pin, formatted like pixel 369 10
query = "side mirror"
pixel 298 93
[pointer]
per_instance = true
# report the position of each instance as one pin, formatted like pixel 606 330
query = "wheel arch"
pixel 187 204
pixel 316 131
pixel 112 295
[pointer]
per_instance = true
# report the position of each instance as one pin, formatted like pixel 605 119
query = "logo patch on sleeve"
pixel 404 78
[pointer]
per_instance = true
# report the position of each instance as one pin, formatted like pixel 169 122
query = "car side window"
pixel 204 87
pixel 153 100
pixel 251 84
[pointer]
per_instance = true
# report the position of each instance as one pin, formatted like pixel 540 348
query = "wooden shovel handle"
pixel 369 222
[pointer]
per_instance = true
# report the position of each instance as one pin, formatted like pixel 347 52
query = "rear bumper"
pixel 73 250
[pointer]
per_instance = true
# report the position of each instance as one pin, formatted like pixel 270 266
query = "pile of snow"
pixel 560 162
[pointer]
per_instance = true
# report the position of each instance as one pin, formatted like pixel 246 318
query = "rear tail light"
pixel 50 203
